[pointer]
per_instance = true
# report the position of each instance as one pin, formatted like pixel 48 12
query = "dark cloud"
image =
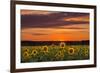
pixel 39 33
pixel 51 20
pixel 70 28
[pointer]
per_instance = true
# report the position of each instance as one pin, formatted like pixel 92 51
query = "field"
pixel 61 52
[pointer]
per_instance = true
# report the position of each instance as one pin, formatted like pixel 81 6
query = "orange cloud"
pixel 82 18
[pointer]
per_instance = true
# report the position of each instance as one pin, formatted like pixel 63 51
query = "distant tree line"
pixel 40 43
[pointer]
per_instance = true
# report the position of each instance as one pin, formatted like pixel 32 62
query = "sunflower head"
pixel 45 49
pixel 53 45
pixel 26 55
pixel 25 50
pixel 86 52
pixel 34 52
pixel 71 51
pixel 59 55
pixel 62 45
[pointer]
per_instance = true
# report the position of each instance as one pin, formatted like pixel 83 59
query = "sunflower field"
pixel 60 52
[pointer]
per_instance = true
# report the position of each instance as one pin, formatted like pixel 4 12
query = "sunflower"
pixel 59 55
pixel 45 49
pixel 77 50
pixel 86 52
pixel 62 45
pixel 71 51
pixel 25 50
pixel 34 53
pixel 26 55
pixel 53 45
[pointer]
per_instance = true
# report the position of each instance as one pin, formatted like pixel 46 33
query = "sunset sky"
pixel 54 26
